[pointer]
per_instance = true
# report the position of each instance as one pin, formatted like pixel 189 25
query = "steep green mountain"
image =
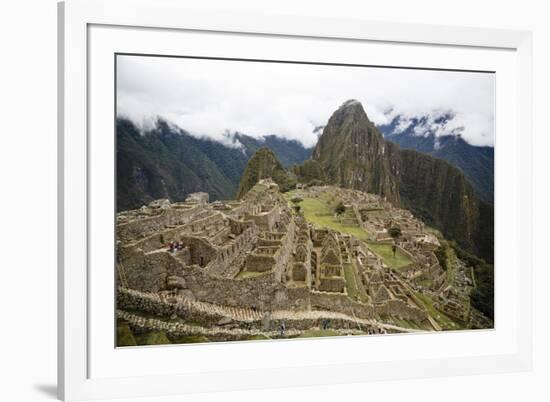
pixel 167 162
pixel 264 164
pixel 441 194
pixel 310 172
pixel 476 162
pixel 353 154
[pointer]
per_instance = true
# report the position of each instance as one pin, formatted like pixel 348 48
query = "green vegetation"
pixel 314 183
pixel 442 255
pixel 476 162
pixel 191 339
pixel 385 252
pixel 351 283
pixel 309 172
pixel 318 333
pixel 441 318
pixel 259 337
pixel 394 232
pixel 166 161
pixel 483 295
pixel 124 335
pixel 451 204
pixel 288 152
pixel 318 212
pixel 153 338
pixel 426 282
pixel 261 165
pixel 431 188
pixel 355 288
pixel 407 323
pixel 340 208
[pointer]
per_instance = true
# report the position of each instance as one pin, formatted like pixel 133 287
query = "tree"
pixel 340 208
pixel 394 232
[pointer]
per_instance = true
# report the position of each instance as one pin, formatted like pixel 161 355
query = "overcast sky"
pixel 211 97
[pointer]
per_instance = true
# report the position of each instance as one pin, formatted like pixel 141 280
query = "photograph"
pixel 268 200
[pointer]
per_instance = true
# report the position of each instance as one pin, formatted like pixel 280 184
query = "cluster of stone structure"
pixel 255 259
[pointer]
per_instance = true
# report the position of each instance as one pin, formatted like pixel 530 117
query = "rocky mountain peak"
pixel 353 153
pixel 264 164
pixel 351 111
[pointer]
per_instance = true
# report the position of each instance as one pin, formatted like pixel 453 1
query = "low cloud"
pixel 211 98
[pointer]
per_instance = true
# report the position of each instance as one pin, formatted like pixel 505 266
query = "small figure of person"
pixel 180 245
pixel 282 328
pixel 325 323
pixel 393 249
pixel 254 308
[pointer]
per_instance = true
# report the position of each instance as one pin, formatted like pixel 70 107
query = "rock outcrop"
pixel 353 154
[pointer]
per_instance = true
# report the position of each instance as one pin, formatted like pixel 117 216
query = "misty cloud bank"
pixel 211 98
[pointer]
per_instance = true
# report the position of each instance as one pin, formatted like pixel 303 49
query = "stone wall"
pixel 399 308
pixel 148 273
pixel 333 284
pixel 259 262
pixel 266 220
pixel 340 303
pixel 140 228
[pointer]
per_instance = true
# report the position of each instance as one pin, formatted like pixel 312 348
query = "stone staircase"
pixel 248 315
pixel 235 313
pixel 122 274
pixel 179 328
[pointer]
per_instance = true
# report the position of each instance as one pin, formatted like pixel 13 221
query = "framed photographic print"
pixel 256 201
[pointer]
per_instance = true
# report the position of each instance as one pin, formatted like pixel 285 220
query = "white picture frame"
pixel 83 27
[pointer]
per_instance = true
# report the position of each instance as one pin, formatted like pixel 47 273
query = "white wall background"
pixel 28 198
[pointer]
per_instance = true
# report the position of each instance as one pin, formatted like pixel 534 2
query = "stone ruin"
pixel 257 257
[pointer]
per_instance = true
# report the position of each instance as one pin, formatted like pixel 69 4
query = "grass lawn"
pixel 405 323
pixel 351 283
pixel 317 333
pixel 355 288
pixel 427 283
pixel 319 212
pixel 385 252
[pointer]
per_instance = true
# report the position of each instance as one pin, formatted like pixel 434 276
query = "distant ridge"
pixel 167 162
pixel 476 162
